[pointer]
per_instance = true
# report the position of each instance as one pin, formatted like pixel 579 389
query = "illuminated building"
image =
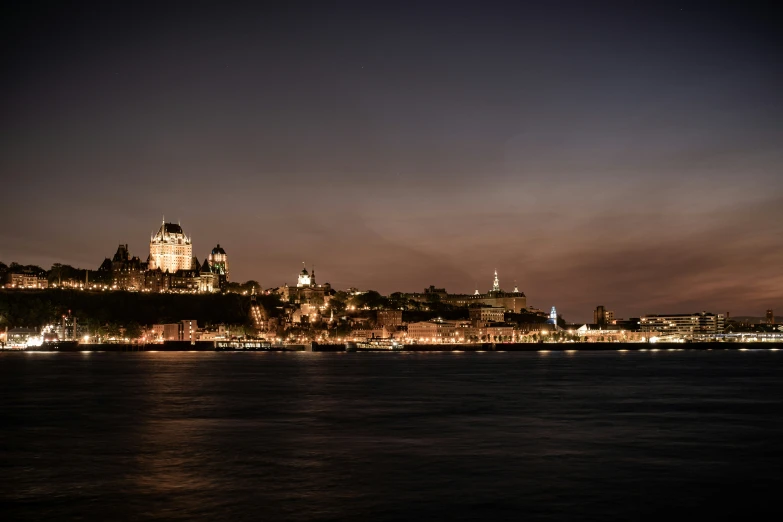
pixel 218 262
pixel 127 273
pixel 208 280
pixel 602 316
pixel 514 302
pixel 489 333
pixel 553 316
pixel 26 280
pixel 156 280
pixel 432 331
pixel 170 249
pixel 165 332
pixel 683 326
pixel 306 290
pixel 185 281
pixel 305 279
pixel 770 317
pixel 188 331
pixel 487 314
pixel 21 338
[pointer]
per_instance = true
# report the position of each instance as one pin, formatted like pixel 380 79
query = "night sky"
pixel 595 152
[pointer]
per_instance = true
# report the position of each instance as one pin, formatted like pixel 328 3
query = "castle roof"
pixel 122 254
pixel 218 250
pixel 170 228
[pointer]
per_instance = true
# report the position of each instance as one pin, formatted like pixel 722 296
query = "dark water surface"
pixel 369 437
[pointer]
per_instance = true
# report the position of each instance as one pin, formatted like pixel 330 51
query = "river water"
pixel 376 437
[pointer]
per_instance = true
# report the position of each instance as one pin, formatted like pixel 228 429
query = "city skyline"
pixel 495 286
pixel 600 154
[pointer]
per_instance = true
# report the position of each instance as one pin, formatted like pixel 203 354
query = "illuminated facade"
pixel 487 314
pixel 305 279
pixel 683 326
pixel 306 290
pixel 514 302
pixel 208 280
pixel 26 280
pixel 218 262
pixel 127 273
pixel 170 249
pixel 432 331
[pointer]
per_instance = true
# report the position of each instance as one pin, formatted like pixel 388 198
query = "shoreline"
pixel 254 346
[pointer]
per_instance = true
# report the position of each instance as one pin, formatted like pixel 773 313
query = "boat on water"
pixel 379 344
pixel 54 346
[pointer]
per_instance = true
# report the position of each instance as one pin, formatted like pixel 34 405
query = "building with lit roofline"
pixel 514 302
pixel 170 249
pixel 306 290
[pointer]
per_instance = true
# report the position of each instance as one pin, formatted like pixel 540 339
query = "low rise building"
pixel 26 280
pixel 683 326
pixel 432 331
pixel 165 332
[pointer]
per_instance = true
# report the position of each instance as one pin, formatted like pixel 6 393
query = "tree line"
pixel 33 308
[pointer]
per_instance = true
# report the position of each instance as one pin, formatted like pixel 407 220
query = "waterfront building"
pixel 602 316
pixel 682 326
pixel 170 249
pixel 165 332
pixel 593 333
pixel 188 331
pixel 489 332
pixel 21 338
pixel 432 331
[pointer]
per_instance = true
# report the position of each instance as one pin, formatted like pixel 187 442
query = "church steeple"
pixel 496 283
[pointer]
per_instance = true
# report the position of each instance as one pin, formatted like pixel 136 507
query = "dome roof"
pixel 304 272
pixel 218 250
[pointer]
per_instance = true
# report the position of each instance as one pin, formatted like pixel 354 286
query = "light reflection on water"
pixel 420 436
